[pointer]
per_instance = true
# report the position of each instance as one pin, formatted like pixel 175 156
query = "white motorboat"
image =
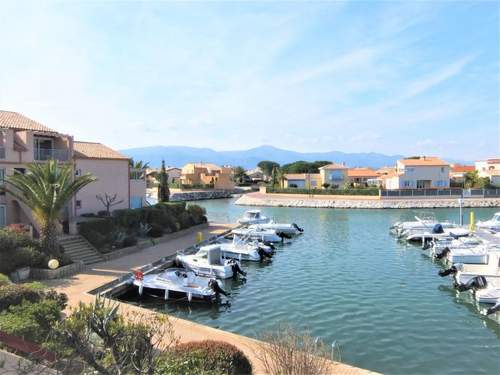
pixel 474 255
pixel 264 235
pixel 435 233
pixel 240 249
pixel 253 217
pixel 488 295
pixel 492 224
pixel 177 282
pixel 475 276
pixel 420 224
pixel 290 229
pixel 210 262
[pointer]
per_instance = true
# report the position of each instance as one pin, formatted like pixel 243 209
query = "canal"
pixel 346 279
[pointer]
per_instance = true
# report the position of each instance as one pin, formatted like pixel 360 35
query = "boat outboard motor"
pixel 437 229
pixel 450 271
pixel 214 285
pixel 270 244
pixel 426 246
pixel 443 253
pixel 283 236
pixel 477 282
pixel 237 269
pixel 264 254
pixel 493 309
pixel 297 227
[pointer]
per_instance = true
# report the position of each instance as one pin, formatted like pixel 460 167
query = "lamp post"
pixel 461 204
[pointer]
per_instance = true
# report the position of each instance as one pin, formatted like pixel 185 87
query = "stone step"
pixel 79 249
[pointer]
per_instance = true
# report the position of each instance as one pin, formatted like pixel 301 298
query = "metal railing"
pixel 452 192
pixel 42 154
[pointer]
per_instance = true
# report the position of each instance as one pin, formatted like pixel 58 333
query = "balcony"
pixel 43 154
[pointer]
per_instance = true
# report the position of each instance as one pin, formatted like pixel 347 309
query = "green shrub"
pixel 4 280
pixel 175 207
pixel 185 220
pixel 156 231
pixel 98 232
pixel 130 240
pixel 15 294
pixel 204 357
pixel 197 213
pixel 31 320
pixel 18 250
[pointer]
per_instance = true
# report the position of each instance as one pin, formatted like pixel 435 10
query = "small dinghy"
pixel 208 261
pixel 241 250
pixel 176 282
pixel 436 233
pixel 253 217
pixel 492 224
pixel 264 235
pixel 289 229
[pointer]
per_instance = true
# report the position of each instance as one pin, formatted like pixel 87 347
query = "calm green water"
pixel 347 279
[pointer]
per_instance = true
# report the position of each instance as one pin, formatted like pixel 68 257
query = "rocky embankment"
pixel 199 195
pixel 280 201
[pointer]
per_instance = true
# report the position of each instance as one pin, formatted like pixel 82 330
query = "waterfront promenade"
pixel 78 286
pixel 356 201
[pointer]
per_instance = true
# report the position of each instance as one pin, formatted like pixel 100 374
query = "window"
pixel 3 219
pixel 442 169
pixel 406 184
pixel 78 172
pixel 20 170
pixel 78 204
pixel 2 176
pixel 409 169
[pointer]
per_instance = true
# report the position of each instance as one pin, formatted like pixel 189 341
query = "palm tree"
pixel 46 189
pixel 138 164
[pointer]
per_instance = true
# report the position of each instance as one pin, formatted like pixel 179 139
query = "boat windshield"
pixel 202 254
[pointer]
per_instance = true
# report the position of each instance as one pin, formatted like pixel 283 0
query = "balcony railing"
pixel 42 154
pixel 2 152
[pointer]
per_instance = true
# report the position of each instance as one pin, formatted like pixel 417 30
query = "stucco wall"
pixel 112 178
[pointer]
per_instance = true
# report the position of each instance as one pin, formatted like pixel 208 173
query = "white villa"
pixel 422 172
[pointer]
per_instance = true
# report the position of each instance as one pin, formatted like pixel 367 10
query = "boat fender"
pixel 443 253
pixel 493 309
pixel 139 275
pixel 450 271
pixel 237 269
pixel 214 285
pixel 477 282
pixel 298 228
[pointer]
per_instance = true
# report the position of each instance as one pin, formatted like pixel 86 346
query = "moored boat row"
pixel 198 273
pixel 472 258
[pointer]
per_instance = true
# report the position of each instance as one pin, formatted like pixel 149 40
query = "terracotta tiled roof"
pixel 430 161
pixel 385 170
pixel 493 161
pixel 334 166
pixel 391 174
pixel 91 150
pixel 361 172
pixel 14 120
pixel 209 166
pixel 457 168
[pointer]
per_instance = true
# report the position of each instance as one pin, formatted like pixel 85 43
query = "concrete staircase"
pixel 79 249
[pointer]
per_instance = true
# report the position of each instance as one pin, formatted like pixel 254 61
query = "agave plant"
pixel 46 189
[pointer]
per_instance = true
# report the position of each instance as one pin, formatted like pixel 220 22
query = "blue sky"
pixel 391 77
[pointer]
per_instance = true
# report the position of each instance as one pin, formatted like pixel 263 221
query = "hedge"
pixel 18 250
pixel 204 358
pixel 365 191
pixel 125 225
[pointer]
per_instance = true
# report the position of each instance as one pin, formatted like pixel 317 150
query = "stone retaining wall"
pixel 60 273
pixel 199 195
pixel 267 200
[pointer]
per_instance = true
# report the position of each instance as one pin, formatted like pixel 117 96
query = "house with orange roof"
pixel 489 168
pixel 361 176
pixel 196 174
pixel 334 174
pixel 24 141
pixel 458 172
pixel 420 172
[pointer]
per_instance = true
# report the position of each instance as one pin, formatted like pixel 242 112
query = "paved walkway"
pixel 76 289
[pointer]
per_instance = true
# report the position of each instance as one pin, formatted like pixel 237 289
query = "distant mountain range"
pixel 180 155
